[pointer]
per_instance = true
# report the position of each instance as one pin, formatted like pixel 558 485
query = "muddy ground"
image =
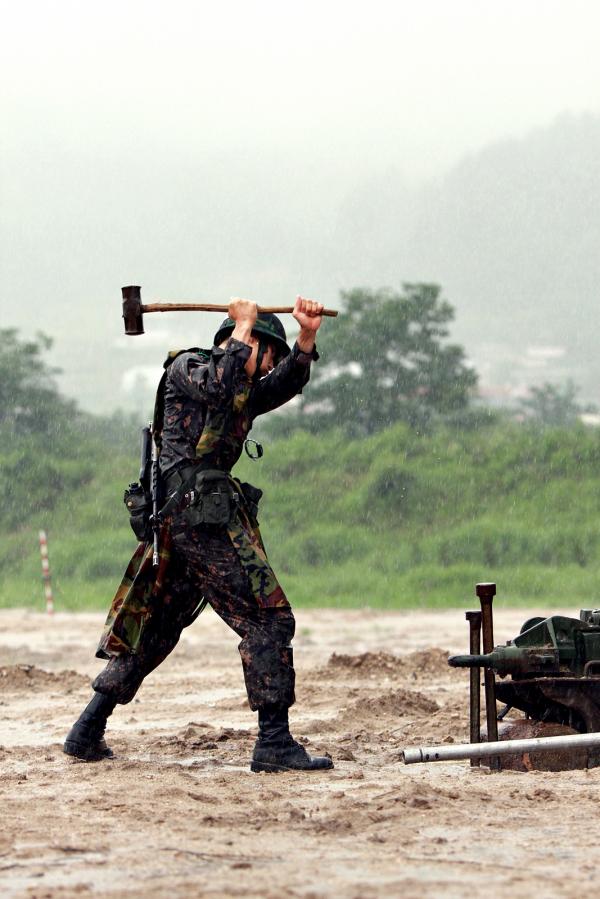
pixel 177 813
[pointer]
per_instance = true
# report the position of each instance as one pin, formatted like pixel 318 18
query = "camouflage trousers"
pixel 205 566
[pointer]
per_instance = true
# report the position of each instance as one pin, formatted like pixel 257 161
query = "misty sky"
pixel 346 84
pixel 113 113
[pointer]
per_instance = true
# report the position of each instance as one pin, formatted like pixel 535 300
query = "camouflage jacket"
pixel 210 403
pixel 209 407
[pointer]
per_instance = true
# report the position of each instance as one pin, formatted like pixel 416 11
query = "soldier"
pixel 210 545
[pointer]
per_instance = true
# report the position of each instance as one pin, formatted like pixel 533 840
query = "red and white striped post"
pixel 46 573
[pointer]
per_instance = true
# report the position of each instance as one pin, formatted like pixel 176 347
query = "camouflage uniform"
pixel 209 407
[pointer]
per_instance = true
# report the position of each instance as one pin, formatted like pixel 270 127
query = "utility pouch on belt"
pixel 139 506
pixel 252 496
pixel 211 500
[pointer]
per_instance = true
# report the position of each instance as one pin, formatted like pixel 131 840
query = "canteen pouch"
pixel 139 506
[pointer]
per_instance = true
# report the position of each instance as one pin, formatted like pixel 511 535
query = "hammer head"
pixel 132 310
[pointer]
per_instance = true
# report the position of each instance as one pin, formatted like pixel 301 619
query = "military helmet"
pixel 266 325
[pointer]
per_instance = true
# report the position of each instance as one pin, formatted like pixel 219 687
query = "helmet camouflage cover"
pixel 266 325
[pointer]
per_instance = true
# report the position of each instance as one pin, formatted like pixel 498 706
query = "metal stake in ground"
pixel 46 573
pixel 474 619
pixel 134 309
pixel 486 593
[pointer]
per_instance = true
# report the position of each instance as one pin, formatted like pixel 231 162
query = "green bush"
pixel 394 520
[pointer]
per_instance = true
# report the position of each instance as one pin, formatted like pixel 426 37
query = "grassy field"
pixel 394 520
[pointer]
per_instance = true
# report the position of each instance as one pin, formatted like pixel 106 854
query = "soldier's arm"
pixel 289 377
pixel 285 381
pixel 211 380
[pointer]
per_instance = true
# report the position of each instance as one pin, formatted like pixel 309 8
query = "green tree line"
pixel 406 510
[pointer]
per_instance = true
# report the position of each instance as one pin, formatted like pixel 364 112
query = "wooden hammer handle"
pixel 214 307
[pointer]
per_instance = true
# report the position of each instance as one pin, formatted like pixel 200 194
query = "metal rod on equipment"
pixel 447 753
pixel 486 593
pixel 474 619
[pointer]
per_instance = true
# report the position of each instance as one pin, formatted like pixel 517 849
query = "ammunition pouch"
pixel 139 506
pixel 211 500
pixel 207 496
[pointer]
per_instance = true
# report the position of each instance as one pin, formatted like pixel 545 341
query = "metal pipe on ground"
pixel 451 752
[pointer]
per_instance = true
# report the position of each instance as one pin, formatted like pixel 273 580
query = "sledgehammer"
pixel 133 309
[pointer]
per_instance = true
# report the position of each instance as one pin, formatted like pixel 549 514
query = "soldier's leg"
pixel 265 650
pixel 267 661
pixel 265 647
pixel 120 680
pixel 213 565
pixel 123 675
pixel 86 740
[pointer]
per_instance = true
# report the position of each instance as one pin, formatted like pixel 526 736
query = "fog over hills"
pixel 515 233
pixel 512 233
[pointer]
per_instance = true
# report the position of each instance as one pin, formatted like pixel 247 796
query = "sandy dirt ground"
pixel 178 813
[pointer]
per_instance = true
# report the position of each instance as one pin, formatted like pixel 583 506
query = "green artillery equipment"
pixel 551 672
pixel 546 647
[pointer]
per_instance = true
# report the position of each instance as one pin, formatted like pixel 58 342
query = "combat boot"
pixel 86 740
pixel 276 750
